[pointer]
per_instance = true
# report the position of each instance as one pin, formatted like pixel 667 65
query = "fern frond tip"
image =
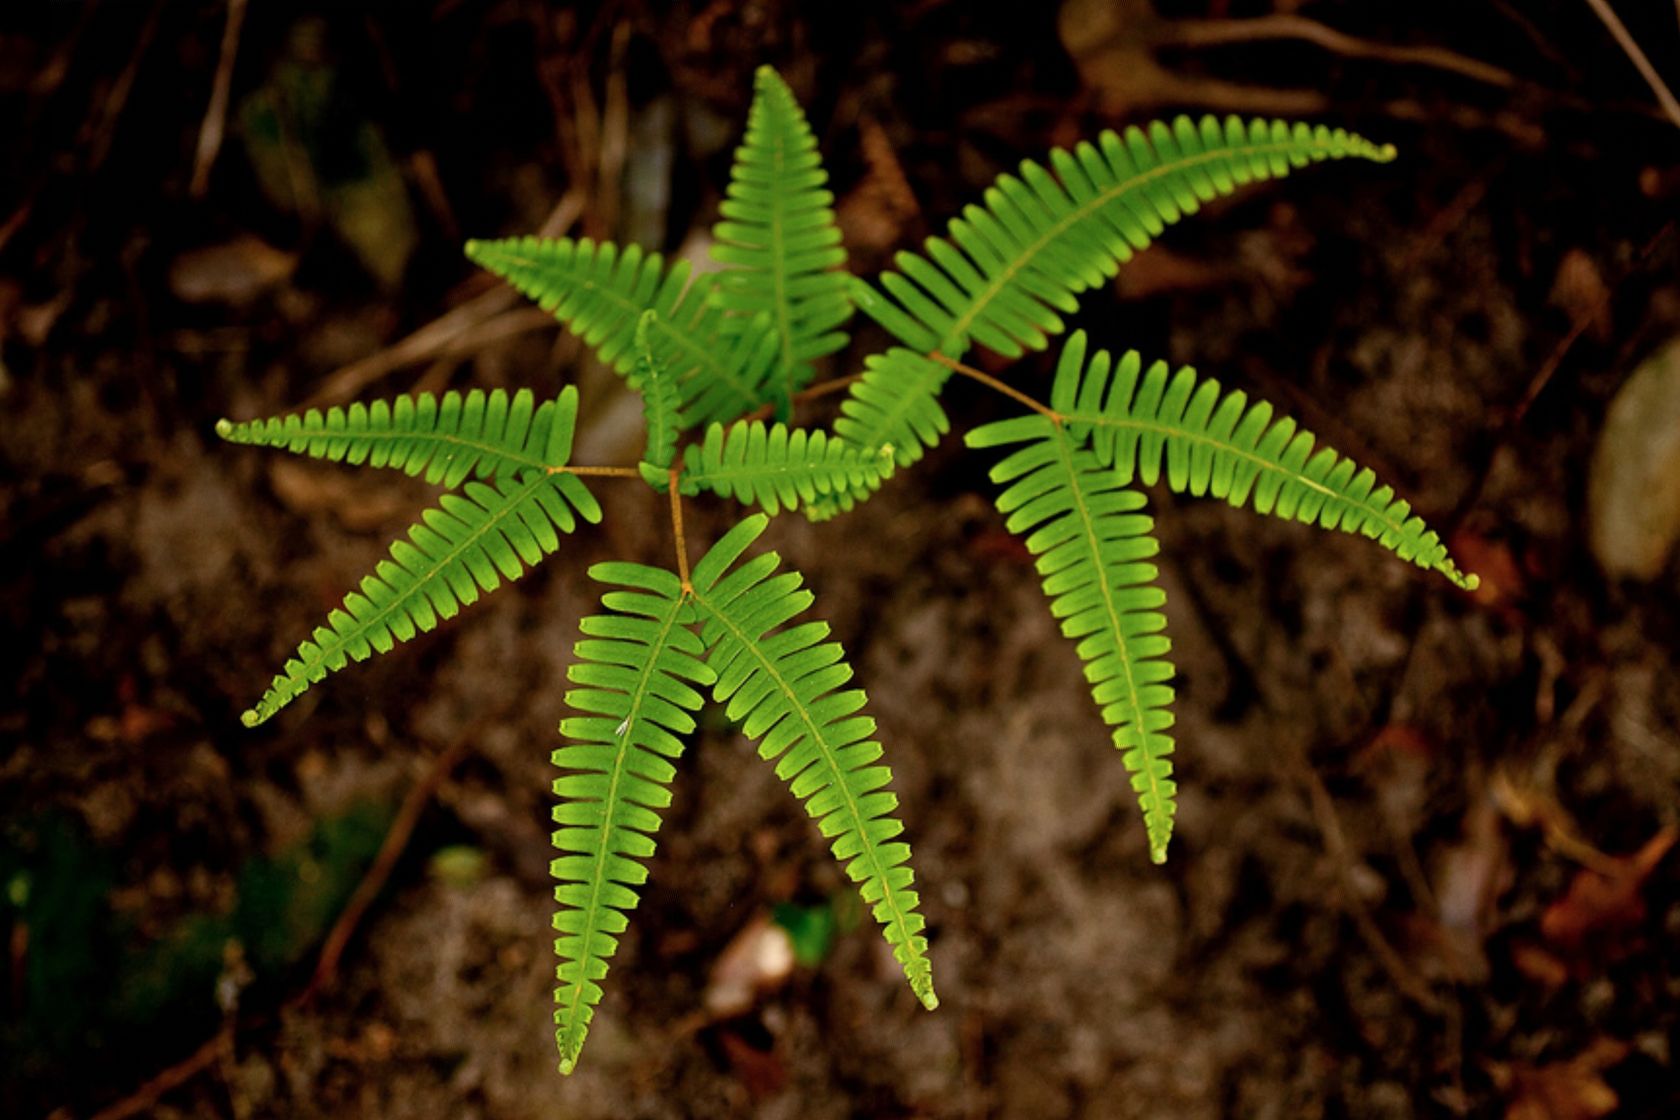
pixel 250 717
pixel 224 427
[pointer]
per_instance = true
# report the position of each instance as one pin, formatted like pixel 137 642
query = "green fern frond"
pixel 634 664
pixel 780 684
pixel 444 440
pixel 1092 548
pixel 895 406
pixel 893 409
pixel 600 291
pixel 1006 268
pixel 660 403
pixel 470 541
pixel 779 237
pixel 1214 442
pixel 776 466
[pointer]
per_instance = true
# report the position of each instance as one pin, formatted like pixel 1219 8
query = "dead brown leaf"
pixel 758 959
pixel 1579 289
pixel 874 214
pixel 1600 906
pixel 1573 1089
pixel 234 272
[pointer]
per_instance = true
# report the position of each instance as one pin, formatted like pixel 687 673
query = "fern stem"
pixel 601 472
pixel 677 530
pixel 993 383
pixel 820 389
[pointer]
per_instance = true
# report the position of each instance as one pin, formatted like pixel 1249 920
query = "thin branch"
pixel 820 389
pixel 1219 32
pixel 1665 97
pixel 993 383
pixel 1336 846
pixel 474 322
pixel 396 841
pixel 215 114
pixel 144 1098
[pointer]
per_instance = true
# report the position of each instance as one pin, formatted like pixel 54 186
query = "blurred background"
pixel 1423 860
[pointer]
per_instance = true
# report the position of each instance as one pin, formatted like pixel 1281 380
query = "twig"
pixel 367 890
pixel 1543 377
pixel 215 114
pixel 1665 98
pixel 820 389
pixel 450 332
pixel 100 144
pixel 993 383
pixel 1335 843
pixel 146 1097
pixel 1218 32
pixel 396 840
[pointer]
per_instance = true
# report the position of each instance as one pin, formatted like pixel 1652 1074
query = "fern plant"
pixel 726 359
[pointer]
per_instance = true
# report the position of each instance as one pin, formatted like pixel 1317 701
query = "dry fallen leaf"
pixel 873 215
pixel 1580 290
pixel 1573 1089
pixel 758 959
pixel 1633 485
pixel 234 272
pixel 1601 904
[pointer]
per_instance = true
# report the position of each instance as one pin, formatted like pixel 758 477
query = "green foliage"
pixel 713 356
pixel 777 467
pixel 632 666
pixel 660 403
pixel 779 238
pixel 445 441
pixel 599 291
pixel 1218 443
pixel 1006 268
pixel 1092 548
pixel 469 542
pixel 780 684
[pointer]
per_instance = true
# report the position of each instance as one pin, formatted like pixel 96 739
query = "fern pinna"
pixel 725 360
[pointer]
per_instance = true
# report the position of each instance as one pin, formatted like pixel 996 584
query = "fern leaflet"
pixel 660 404
pixel 780 683
pixel 776 466
pixel 893 408
pixel 1092 548
pixel 468 542
pixel 1217 442
pixel 634 705
pixel 779 238
pixel 599 291
pixel 444 440
pixel 1009 266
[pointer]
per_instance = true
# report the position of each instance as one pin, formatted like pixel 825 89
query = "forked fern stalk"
pixel 712 357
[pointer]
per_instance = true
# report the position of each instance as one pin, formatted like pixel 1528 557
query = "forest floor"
pixel 1422 864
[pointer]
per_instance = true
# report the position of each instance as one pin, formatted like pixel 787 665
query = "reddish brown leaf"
pixel 1573 1089
pixel 1601 904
